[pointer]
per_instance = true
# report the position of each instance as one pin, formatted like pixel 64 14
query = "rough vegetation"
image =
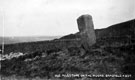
pixel 44 60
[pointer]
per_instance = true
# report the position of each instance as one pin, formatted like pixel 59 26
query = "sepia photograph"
pixel 67 39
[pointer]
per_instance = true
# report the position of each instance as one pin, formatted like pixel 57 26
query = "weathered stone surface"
pixel 86 28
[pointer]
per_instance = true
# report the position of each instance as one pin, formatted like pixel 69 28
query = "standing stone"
pixel 86 30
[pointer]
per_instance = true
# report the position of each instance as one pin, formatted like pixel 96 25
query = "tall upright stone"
pixel 86 30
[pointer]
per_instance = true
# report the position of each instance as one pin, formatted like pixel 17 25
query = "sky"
pixel 58 17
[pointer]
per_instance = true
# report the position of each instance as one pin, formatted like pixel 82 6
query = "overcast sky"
pixel 58 17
